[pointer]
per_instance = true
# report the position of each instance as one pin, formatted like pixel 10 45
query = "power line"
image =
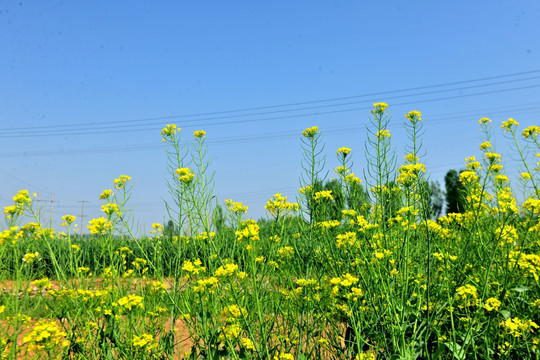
pixel 255 137
pixel 66 128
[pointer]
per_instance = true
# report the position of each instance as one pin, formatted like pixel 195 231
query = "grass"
pixel 339 274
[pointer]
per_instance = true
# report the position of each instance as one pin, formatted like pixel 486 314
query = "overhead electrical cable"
pixel 453 118
pixel 129 130
pixel 92 126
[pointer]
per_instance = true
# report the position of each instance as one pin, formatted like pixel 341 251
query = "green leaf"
pixel 520 289
pixel 505 314
pixel 456 349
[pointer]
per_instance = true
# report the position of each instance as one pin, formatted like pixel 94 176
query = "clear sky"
pixel 86 87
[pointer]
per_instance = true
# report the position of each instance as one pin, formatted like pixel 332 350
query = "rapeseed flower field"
pixel 358 270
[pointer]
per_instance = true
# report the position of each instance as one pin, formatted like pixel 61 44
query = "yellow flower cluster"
pixel 324 194
pixel 30 257
pixel 121 181
pixel 506 234
pixel 145 341
pixel 528 264
pixel 493 157
pixel 408 173
pixel 236 207
pixel 286 252
pixel 10 211
pixel 352 179
pixel 414 116
pixel 532 205
pixel 249 231
pixel 233 312
pixel 131 301
pixel 184 175
pixel 68 220
pixel 109 208
pixel 516 327
pixel 345 280
pixel 169 131
pixel 343 151
pixel 381 134
pixel 105 194
pixel 484 121
pixel 507 125
pixel 531 132
pixel 21 199
pixel 311 132
pixel 467 177
pixel 157 287
pixel 205 235
pixel 193 267
pixel 100 226
pixel 205 285
pixel 485 145
pixel 46 334
pixel 472 164
pixel 492 304
pixel 467 294
pixel 227 270
pixel 278 205
pixel 347 239
pixel 327 224
pixel 379 108
pixel 199 134
pixel 157 229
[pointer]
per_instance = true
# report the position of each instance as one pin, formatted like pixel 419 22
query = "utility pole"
pixel 52 210
pixel 82 215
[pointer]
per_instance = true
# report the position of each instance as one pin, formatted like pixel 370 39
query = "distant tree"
pixel 358 198
pixel 336 206
pixel 169 229
pixel 455 201
pixel 325 209
pixel 218 218
pixel 434 198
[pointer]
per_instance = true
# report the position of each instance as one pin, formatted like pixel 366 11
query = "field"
pixel 338 273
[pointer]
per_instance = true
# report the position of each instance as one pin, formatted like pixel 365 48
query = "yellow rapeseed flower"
pixel 311 132
pixel 236 207
pixel 493 157
pixel 109 208
pixel 184 175
pixel 382 134
pixel 105 194
pixel 379 108
pixel 199 133
pixel 484 121
pixel 324 194
pixel 69 219
pixel 169 131
pixel 278 205
pixel 414 116
pixel 343 151
pixel 46 334
pixel 22 198
pixel 100 226
pixel 492 304
pixel 531 131
pixel 121 181
pixel 485 145
pixel 30 257
pixel 507 125
pixel 131 301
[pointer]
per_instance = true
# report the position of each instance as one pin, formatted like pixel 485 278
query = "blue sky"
pixel 88 85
